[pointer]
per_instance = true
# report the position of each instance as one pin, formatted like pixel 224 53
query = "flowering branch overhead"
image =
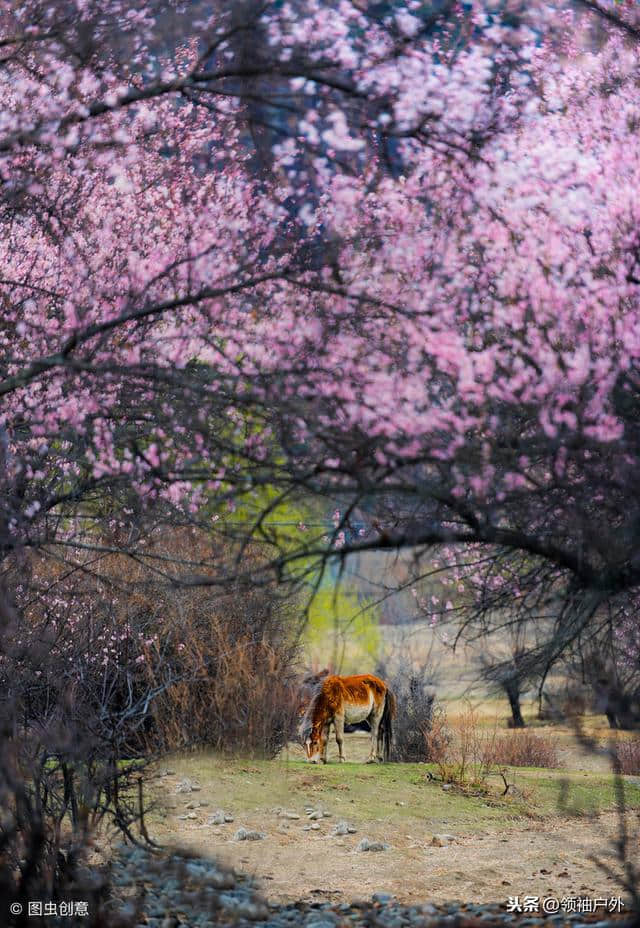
pixel 388 261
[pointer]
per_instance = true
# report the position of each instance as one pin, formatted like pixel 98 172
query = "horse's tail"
pixel 385 731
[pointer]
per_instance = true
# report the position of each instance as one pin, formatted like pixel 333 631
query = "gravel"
pixel 367 845
pixel 187 786
pixel 220 817
pixel 344 828
pixel 182 891
pixel 247 834
pixel 443 840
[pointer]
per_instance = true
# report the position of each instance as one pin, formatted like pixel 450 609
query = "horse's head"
pixel 313 717
pixel 313 742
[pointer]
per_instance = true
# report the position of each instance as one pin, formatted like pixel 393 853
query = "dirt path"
pixel 538 860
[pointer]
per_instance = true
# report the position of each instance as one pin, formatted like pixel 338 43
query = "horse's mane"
pixel 307 719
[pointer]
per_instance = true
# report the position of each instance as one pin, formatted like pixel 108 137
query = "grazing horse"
pixel 348 701
pixel 307 688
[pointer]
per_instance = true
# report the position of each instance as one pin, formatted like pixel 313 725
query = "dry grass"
pixel 230 656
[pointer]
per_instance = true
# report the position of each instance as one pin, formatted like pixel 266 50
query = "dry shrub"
pixel 238 695
pixel 414 721
pixel 103 662
pixel 438 739
pixel 627 756
pixel 461 750
pixel 231 657
pixel 467 754
pixel 171 666
pixel 417 712
pixel 60 777
pixel 524 749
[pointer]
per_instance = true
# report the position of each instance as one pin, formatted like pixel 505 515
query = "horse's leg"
pixel 374 721
pixel 327 729
pixel 339 727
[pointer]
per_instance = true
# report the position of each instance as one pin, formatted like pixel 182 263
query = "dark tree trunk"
pixel 611 718
pixel 513 695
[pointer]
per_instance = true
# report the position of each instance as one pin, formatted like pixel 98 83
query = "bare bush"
pixel 169 666
pixel 463 751
pixel 102 666
pixel 438 739
pixel 416 709
pixel 231 659
pixel 60 778
pixel 238 697
pixel 524 749
pixel 466 753
pixel 627 756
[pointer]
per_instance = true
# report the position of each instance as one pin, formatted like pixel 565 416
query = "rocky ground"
pixel 280 845
pixel 323 846
pixel 183 891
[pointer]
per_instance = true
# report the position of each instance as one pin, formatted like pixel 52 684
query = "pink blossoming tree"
pixel 260 256
pixel 422 305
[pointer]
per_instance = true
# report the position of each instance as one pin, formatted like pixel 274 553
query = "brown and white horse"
pixel 348 701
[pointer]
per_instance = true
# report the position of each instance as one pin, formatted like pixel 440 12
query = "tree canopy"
pixel 422 305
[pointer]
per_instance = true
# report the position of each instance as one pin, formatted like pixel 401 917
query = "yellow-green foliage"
pixel 342 631
pixel 292 526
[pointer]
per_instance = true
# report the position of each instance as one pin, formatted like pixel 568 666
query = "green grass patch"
pixel 576 793
pixel 400 795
